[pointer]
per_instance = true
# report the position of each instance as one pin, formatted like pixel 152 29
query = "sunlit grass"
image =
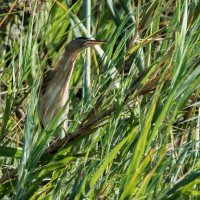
pixel 134 116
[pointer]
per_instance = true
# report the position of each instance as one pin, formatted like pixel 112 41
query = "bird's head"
pixel 81 43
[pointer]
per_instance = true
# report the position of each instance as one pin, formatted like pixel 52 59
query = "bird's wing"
pixel 46 80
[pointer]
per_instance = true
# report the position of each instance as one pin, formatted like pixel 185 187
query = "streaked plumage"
pixel 54 91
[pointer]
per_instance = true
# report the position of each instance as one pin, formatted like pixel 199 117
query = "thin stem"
pixel 87 61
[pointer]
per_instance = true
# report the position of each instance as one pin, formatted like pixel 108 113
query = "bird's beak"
pixel 94 42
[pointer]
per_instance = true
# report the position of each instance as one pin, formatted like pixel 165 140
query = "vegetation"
pixel 134 103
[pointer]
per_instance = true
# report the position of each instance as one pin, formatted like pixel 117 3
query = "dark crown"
pixel 82 38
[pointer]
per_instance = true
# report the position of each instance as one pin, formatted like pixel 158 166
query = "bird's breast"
pixel 55 95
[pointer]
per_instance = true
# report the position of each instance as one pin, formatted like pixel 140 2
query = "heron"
pixel 54 91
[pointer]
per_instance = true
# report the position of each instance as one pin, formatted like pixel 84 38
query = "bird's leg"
pixel 64 128
pixel 64 132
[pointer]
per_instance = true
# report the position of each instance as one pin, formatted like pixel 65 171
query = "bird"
pixel 54 90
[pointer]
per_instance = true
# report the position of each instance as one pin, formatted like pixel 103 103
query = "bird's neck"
pixel 66 58
pixel 65 67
